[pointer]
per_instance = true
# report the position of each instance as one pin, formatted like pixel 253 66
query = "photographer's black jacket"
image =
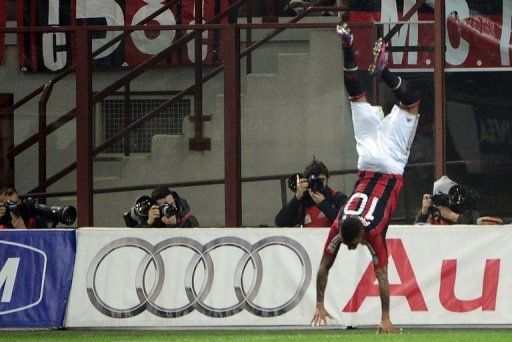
pixel 294 212
pixel 468 216
pixel 185 218
pixel 31 222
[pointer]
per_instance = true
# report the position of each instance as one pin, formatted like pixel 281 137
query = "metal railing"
pixel 82 34
pixel 230 39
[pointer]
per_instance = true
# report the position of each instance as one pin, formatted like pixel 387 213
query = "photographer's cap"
pixel 443 185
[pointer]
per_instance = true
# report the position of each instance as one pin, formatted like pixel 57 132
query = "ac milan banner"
pixel 3 21
pixel 477 33
pixel 54 51
pixel 267 277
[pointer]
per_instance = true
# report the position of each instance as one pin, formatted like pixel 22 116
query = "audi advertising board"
pixel 266 277
pixel 36 268
pixel 191 277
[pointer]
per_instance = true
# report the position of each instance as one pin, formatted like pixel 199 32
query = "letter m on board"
pixel 7 279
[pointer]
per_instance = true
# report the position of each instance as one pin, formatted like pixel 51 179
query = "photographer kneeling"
pixel 315 204
pixel 165 209
pixel 451 203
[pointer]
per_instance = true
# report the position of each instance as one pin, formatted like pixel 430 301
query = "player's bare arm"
pixel 385 326
pixel 320 316
pixel 322 276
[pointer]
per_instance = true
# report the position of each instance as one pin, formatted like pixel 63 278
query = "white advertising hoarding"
pixel 267 277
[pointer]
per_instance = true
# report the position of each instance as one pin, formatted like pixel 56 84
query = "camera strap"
pixel 183 219
pixel 300 214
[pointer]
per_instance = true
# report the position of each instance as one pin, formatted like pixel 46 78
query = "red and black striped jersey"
pixel 373 200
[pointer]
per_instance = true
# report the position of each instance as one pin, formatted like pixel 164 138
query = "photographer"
pixel 170 202
pixel 315 204
pixel 451 203
pixel 9 219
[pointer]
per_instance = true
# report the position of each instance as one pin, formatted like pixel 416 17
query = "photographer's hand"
pixel 153 214
pixel 302 186
pixel 316 196
pixel 17 222
pixel 170 221
pixel 2 210
pixel 427 203
pixel 448 214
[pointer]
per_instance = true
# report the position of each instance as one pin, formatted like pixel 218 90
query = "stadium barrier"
pixel 36 270
pixel 193 278
pixel 266 277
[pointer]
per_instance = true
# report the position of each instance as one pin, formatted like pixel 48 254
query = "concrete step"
pixel 106 182
pixel 108 167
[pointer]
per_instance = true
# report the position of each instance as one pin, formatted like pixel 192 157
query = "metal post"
pixel 197 142
pixel 272 13
pixel 284 195
pixel 43 101
pixel 127 118
pixel 248 39
pixel 232 136
pixel 84 146
pixel 439 89
pixel 42 148
pixel 6 139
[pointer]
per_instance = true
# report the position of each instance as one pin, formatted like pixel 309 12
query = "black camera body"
pixel 314 183
pixel 440 199
pixel 169 210
pixel 311 174
pixel 30 207
pixel 12 207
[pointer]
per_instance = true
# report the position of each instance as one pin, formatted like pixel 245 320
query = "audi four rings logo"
pixel 146 300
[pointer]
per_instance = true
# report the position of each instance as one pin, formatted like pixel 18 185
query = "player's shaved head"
pixel 351 230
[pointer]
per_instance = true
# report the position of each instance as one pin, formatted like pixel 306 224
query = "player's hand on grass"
pixel 386 327
pixel 320 316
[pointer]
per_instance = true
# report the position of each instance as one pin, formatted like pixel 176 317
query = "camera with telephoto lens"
pixel 29 207
pixel 458 199
pixel 140 211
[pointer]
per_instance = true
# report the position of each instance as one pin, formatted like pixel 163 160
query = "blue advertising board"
pixel 36 271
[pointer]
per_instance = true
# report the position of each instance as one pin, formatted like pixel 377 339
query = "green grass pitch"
pixel 303 335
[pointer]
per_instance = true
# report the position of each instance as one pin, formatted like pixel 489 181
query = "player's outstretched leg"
pixel 407 97
pixel 352 82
